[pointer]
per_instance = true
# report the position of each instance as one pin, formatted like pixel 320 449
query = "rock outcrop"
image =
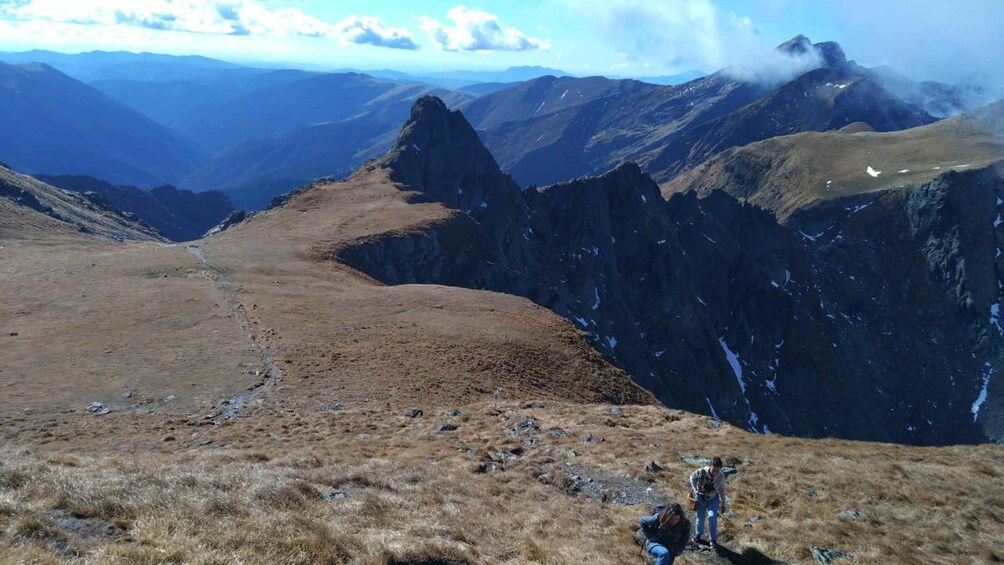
pixel 869 317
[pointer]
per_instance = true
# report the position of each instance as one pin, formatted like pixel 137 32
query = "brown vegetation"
pixel 411 493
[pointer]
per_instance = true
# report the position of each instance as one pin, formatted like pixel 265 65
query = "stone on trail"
pixel 446 427
pixel 825 556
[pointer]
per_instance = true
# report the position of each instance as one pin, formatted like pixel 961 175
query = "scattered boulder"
pixel 417 413
pixel 454 413
pixel 484 468
pixel 811 494
pixel 616 410
pixel 444 427
pixel 852 513
pixel 127 394
pixel 590 438
pixel 694 459
pixel 83 528
pixel 170 398
pixel 529 426
pixel 336 495
pixel 98 409
pixel 653 467
pixel 336 407
pixel 13 334
pixel 168 438
pixel 557 433
pixel 825 556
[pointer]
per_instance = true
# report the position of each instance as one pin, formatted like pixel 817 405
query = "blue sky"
pixel 612 37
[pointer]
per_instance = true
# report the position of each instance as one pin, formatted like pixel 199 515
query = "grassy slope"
pixel 74 211
pixel 160 485
pixel 254 494
pixel 784 174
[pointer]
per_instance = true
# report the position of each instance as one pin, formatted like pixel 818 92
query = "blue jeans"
pixel 661 554
pixel 708 508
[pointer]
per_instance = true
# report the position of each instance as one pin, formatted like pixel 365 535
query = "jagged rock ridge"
pixel 714 305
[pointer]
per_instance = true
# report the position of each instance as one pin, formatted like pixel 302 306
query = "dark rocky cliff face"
pixel 871 317
pixel 181 215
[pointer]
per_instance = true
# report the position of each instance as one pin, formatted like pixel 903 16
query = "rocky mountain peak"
pixel 830 52
pixel 439 154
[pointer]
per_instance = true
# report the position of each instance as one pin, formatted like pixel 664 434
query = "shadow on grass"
pixel 749 556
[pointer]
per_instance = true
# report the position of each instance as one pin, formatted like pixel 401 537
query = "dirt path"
pixel 268 369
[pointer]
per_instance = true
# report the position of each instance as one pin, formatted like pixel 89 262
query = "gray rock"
pixel 529 426
pixel 572 453
pixel 417 413
pixel 170 398
pixel 615 410
pixel 696 460
pixel 95 406
pixel 484 468
pixel 653 467
pixel 852 513
pixel 336 407
pixel 730 515
pixel 825 556
pixel 443 427
pixel 590 438
pixel 127 394
pixel 336 495
pixel 557 433
pixel 811 494
pixel 454 413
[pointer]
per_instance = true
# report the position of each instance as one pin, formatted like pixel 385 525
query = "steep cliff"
pixel 867 316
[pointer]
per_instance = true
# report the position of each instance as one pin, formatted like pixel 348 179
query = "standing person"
pixel 708 486
pixel 666 533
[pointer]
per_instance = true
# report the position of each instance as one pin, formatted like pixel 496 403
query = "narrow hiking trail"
pixel 268 370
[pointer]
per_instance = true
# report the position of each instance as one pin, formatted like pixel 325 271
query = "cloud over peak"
pixel 213 17
pixel 477 30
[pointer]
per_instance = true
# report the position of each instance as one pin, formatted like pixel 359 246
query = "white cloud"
pixel 213 17
pixel 689 34
pixel 477 30
pixel 372 31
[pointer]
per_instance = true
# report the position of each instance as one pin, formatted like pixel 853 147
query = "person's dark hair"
pixel 716 462
pixel 673 509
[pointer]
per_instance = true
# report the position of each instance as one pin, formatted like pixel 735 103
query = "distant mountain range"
pixel 255 133
pixel 548 130
pixel 54 124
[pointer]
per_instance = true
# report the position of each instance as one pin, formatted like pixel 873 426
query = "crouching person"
pixel 666 533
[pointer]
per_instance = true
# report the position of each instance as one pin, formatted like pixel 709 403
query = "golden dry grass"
pixel 784 174
pixel 412 493
pixel 166 485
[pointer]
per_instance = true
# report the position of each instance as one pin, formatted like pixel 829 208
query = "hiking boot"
pixel 714 545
